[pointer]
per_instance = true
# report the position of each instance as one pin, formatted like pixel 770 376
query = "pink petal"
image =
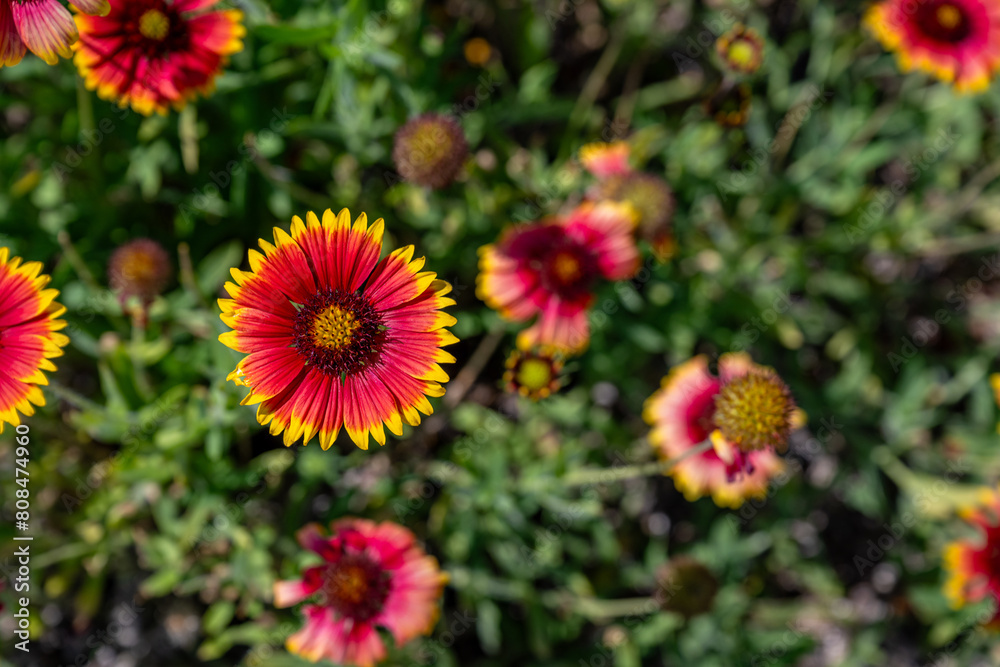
pixel 46 28
pixel 12 49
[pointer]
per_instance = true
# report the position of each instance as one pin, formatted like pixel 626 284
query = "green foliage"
pixel 846 236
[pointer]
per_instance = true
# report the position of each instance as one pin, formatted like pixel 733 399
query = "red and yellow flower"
pixel 973 566
pixel 957 41
pixel 43 27
pixel 747 414
pixel 741 49
pixel 28 336
pixel 604 160
pixel 373 575
pixel 156 54
pixel 548 271
pixel 534 374
pixel 334 337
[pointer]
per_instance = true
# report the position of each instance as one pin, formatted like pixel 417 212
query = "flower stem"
pixel 76 261
pixel 141 379
pixel 467 376
pixel 73 398
pixel 587 476
pixel 598 608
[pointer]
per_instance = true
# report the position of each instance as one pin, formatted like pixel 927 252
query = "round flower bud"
pixel 140 268
pixel 729 106
pixel 653 201
pixel 430 150
pixel 686 586
pixel 741 49
pixel 533 374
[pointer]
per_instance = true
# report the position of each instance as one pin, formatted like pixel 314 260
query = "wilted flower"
pixel 652 199
pixel 534 373
pixel 549 270
pixel 334 337
pixel 140 268
pixel 374 575
pixel 430 150
pixel 156 54
pixel 44 27
pixel 741 49
pixel 972 565
pixel 604 160
pixel 744 403
pixel 957 41
pixel 686 586
pixel 28 336
pixel 729 105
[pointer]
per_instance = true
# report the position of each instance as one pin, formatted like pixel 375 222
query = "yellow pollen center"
pixel 742 53
pixel 754 411
pixel 949 16
pixel 566 267
pixel 154 24
pixel 334 327
pixel 534 374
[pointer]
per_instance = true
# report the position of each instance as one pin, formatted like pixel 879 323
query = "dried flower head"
pixel 430 150
pixel 686 586
pixel 140 268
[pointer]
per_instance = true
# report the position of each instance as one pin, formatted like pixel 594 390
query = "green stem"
pixel 588 476
pixel 73 398
pixel 596 608
pixel 142 383
pixel 74 259
pixel 187 129
pixel 467 376
pixel 592 87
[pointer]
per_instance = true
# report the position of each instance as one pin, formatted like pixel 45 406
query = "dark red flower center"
pixel 356 587
pixel 568 269
pixel 339 333
pixel 152 26
pixel 944 21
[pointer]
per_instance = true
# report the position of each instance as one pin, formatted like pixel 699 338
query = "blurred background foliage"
pixel 846 236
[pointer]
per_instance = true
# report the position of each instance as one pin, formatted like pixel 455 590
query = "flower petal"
pixel 46 28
